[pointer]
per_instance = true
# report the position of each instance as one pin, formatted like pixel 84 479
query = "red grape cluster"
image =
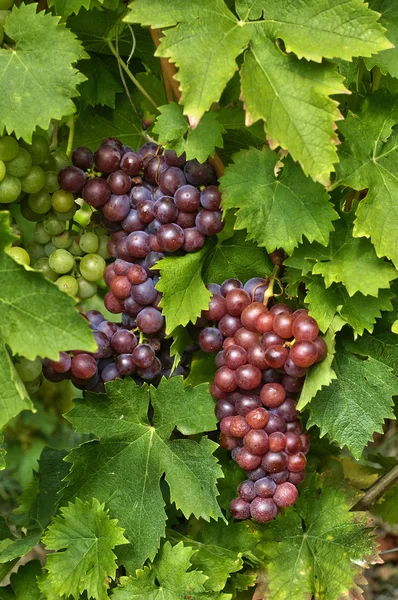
pixel 119 354
pixel 263 357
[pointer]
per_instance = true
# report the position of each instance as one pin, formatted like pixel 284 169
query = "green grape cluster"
pixel 66 246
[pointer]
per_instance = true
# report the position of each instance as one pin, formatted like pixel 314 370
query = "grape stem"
pixel 269 292
pixel 376 490
pixel 54 137
pixel 130 75
pixel 71 125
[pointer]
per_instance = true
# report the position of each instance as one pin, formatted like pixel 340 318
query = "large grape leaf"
pixel 387 60
pixel 354 405
pixel 36 319
pixel 24 582
pixel 123 467
pixel 37 81
pixel 68 7
pixel 291 96
pixel 168 577
pixel 277 210
pixel 87 537
pixel 103 81
pixel 318 548
pixel 369 159
pixel 13 395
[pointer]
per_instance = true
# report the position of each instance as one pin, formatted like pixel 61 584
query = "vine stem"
pixel 376 490
pixel 71 126
pixel 168 72
pixel 269 292
pixel 130 75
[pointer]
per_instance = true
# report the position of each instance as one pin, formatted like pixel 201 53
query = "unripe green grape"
pixel 9 148
pixel 38 149
pixel 87 289
pixel 49 164
pixel 27 212
pixel 68 285
pixel 4 14
pixel 40 234
pixel 33 386
pixel 49 248
pixel 40 202
pixel 21 164
pixel 98 229
pixel 51 181
pixel 63 240
pixel 66 216
pixel 61 261
pixel 74 248
pixel 2 170
pixel 89 242
pixel 28 370
pixel 103 247
pixel 52 225
pixel 10 188
pixel 92 267
pixel 43 265
pixel 19 255
pixel 61 160
pixel 35 250
pixel 62 201
pixel 34 181
pixel 18 231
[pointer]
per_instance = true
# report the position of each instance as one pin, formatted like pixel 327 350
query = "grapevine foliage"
pixel 124 494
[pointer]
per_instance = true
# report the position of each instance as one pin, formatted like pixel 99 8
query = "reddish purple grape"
pixel 210 339
pixel 238 426
pixel 292 384
pixel 274 462
pixel 256 356
pixel 224 409
pixel 146 212
pixel 251 313
pixel 230 284
pixel 245 403
pixel 246 490
pixel 171 179
pixel 256 474
pixel 272 394
pixel 277 309
pixel 257 418
pixel 131 163
pixel 209 222
pixel 285 495
pixel 296 478
pixel 112 304
pixel 124 341
pixel 107 159
pixel 187 221
pixel 193 240
pixel 280 477
pixel 256 288
pixel 110 373
pixel 63 364
pixel 248 377
pixel 304 354
pixel 294 426
pixel 136 274
pixel 276 356
pixel 82 158
pixel 170 237
pixel 283 324
pixel 321 348
pixel 275 423
pixel 210 198
pixel 293 443
pixel 187 198
pixel 120 287
pixel 263 509
pixel 296 462
pixel 150 320
pixel 247 460
pixel 256 441
pixel 216 309
pixel 245 338
pixel 235 301
pixel 153 169
pixel 305 328
pixel 173 160
pixel 287 410
pixel 71 179
pixel 197 173
pixel 264 322
pixel 225 425
pixel 104 348
pixel 165 210
pixel 125 364
pixel 229 325
pixel 239 509
pixel 119 182
pixel 235 356
pixel 276 441
pixel 265 487
pixel 143 356
pixel 83 366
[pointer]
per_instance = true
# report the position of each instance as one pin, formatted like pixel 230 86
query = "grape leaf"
pixel 24 582
pixel 369 159
pixel 130 457
pixel 355 404
pixel 102 82
pixel 122 123
pixel 38 81
pixel 276 211
pixel 2 451
pixel 202 368
pixel 68 7
pixel 87 536
pixel 321 28
pixel 11 549
pixel 387 508
pixel 200 143
pixel 387 60
pixel 36 319
pixel 13 395
pixel 220 548
pixel 321 374
pixel 184 293
pixel 319 548
pixel 168 577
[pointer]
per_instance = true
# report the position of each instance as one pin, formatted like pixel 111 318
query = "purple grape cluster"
pixel 263 357
pixel 119 354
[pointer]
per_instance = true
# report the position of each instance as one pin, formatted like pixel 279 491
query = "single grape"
pixel 20 255
pixel 150 320
pixel 171 179
pixel 110 373
pixel 235 301
pixel 276 356
pixel 138 244
pixel 124 341
pixel 40 235
pixel 68 285
pixel 87 289
pixel 187 198
pixel 239 509
pixel 197 173
pixel 144 293
pixel 113 304
pixel 92 267
pixel 62 240
pixel 116 208
pixel 125 364
pixel 321 348
pixel 9 147
pixel 293 443
pixel 35 250
pixel 256 288
pixel 210 198
pixel 143 356
pixel 296 462
pixel 63 364
pixel 274 462
pixel 264 487
pixel 83 366
pixel 256 441
pixel 10 189
pixel 173 160
pixel 256 474
pixel 272 395
pixel 154 168
pixel 245 403
pixel 209 222
pixel 276 441
pixel 247 460
pixel 275 423
pixel 257 418
pixel 89 242
pixel 229 325
pixel 120 287
pixel 186 220
pixel 246 490
pixel 283 324
pixel 296 478
pixel 210 339
pixel 225 379
pixel 82 158
pixel 248 377
pixel 193 240
pixel 251 313
pixel 43 266
pixel 292 384
pixel 28 370
pixel 280 308
pixel 235 356
pixel 228 442
pixel 303 354
pixel 245 338
pixel 131 163
pixel 107 159
pixel 34 181
pixel 292 369
pixel 170 237
pixel 71 179
pixel 238 426
pixel 224 408
pixel 305 328
pixel 61 261
pixel 136 274
pixel 151 372
pixel 96 192
pixel 287 410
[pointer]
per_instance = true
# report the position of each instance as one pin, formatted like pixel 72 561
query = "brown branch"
pixel 376 490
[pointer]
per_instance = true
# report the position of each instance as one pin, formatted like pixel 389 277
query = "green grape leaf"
pixel 167 577
pixel 321 374
pixel 318 548
pixel 2 451
pixel 321 28
pixel 103 81
pixel 11 549
pixel 200 143
pixel 36 319
pixel 122 123
pixel 202 368
pixel 354 405
pixel 184 293
pixel 87 537
pixel 292 97
pixel 130 457
pixel 381 345
pixel 65 8
pixel 13 395
pixel 24 582
pixel 369 159
pixel 387 60
pixel 220 549
pixel 322 303
pixel 37 82
pixel 387 508
pixel 238 258
pixel 277 211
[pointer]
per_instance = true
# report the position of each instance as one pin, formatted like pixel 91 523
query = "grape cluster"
pixel 72 257
pixel 263 357
pixel 119 354
pixel 151 204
